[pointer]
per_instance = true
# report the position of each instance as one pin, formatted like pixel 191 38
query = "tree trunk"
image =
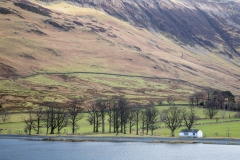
pixel 103 130
pixel 121 130
pixel 130 127
pixel 124 128
pixel 94 122
pixel 114 122
pixel 38 125
pixel 52 130
pixel 147 128
pixel 172 133
pixel 52 119
pixel 137 125
pixel 116 131
pixel 47 122
pixel 30 130
pixel 143 128
pixel 97 123
pixel 73 127
pixel 122 123
pixel 110 126
pixel 114 125
pixel 47 126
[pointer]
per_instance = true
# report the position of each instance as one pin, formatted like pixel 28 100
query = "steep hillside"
pixel 60 50
pixel 211 24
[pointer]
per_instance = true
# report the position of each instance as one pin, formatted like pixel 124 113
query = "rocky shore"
pixel 170 140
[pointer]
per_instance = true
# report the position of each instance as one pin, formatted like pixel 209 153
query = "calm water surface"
pixel 12 149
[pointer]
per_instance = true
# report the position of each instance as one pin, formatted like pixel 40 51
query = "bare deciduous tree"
pixel 116 118
pixel 90 120
pixel 29 121
pixel 137 111
pixel 219 99
pixel 191 100
pixel 209 92
pixel 131 119
pixel 124 118
pixel 4 115
pixel 46 119
pixel 170 100
pixel 110 106
pixel 94 115
pixel 102 106
pixel 61 119
pixel 210 110
pixel 56 117
pixel 151 119
pixel 74 111
pixel 38 116
pixel 91 115
pixel 120 114
pixel 189 117
pixel 173 118
pixel 200 97
pixel 122 104
pixel 143 119
pixel 196 98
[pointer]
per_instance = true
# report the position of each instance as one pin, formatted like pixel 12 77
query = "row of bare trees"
pixel 213 100
pixel 222 99
pixel 54 117
pixel 176 117
pixel 118 113
pixel 121 115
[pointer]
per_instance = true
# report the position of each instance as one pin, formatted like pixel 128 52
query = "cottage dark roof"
pixel 190 130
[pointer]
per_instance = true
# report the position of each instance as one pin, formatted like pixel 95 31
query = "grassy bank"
pixel 227 127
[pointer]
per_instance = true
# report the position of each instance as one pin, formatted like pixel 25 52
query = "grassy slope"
pixel 83 49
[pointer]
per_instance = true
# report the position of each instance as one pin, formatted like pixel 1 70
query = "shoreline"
pixel 169 140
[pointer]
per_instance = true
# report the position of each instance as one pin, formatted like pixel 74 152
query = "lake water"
pixel 14 149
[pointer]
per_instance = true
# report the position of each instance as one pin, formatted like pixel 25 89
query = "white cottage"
pixel 194 133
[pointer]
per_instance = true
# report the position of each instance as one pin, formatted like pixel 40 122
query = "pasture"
pixel 223 125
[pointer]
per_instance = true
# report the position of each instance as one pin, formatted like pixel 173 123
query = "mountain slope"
pixel 208 24
pixel 46 48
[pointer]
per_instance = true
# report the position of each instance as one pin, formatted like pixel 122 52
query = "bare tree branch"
pixel 74 111
pixel 173 118
pixel 4 115
pixel 29 121
pixel 38 116
pixel 189 117
pixel 211 109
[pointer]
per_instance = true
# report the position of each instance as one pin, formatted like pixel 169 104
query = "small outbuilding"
pixel 194 133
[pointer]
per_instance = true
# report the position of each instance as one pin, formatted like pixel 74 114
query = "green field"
pixel 227 127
